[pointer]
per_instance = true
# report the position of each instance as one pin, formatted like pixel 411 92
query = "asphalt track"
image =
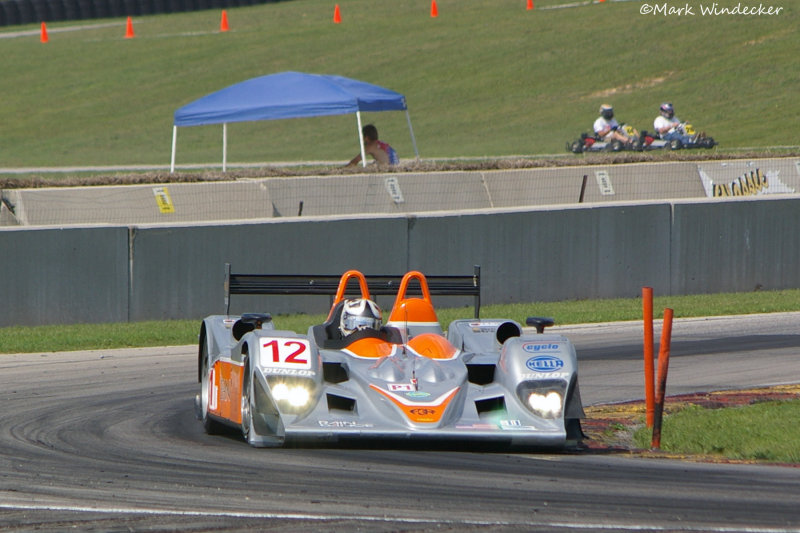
pixel 107 441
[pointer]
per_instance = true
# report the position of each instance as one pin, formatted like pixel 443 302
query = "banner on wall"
pixel 750 178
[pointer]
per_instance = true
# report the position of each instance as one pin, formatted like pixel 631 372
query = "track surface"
pixel 107 441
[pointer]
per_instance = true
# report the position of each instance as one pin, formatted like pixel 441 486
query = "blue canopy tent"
pixel 288 95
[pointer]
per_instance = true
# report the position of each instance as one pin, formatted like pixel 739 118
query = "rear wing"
pixel 327 284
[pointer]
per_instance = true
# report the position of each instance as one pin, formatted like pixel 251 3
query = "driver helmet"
pixel 667 110
pixel 606 111
pixel 359 314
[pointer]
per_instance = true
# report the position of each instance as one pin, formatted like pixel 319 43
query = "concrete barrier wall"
pixel 551 254
pixel 178 271
pixel 62 276
pixel 393 193
pixel 112 274
pixel 742 245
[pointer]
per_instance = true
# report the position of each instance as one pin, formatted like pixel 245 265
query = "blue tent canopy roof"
pixel 288 95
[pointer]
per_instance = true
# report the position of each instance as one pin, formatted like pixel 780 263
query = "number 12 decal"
pixel 286 353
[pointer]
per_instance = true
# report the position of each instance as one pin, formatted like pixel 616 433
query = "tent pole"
pixel 413 140
pixel 174 143
pixel 224 146
pixel 361 140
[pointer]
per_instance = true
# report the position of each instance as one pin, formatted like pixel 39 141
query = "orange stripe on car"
pixel 228 378
pixel 370 347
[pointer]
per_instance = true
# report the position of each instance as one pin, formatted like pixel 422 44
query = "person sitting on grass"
pixel 383 154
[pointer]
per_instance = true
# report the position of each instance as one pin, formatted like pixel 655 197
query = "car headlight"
pixel 294 395
pixel 545 404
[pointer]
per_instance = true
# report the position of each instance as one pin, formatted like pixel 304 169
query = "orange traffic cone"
pixel 129 29
pixel 434 9
pixel 337 16
pixel 44 37
pixel 530 5
pixel 223 23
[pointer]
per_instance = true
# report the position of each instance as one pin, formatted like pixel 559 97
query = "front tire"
pixel 615 146
pixel 247 404
pixel 211 426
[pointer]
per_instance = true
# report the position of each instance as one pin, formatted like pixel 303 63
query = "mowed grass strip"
pixel 484 78
pixel 180 332
pixel 767 431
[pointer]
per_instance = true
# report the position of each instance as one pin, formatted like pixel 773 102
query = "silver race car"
pixel 354 377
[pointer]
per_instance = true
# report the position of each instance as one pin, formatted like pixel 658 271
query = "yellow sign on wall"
pixel 163 200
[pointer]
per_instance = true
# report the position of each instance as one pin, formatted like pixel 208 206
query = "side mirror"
pixel 539 322
pixel 249 322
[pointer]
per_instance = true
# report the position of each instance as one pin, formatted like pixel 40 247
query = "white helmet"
pixel 359 314
pixel 606 111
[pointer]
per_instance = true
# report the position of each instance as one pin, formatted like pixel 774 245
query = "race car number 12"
pixel 287 353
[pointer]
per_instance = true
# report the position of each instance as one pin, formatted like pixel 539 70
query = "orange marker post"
pixel 43 36
pixel 530 5
pixel 337 15
pixel 223 23
pixel 649 378
pixel 129 29
pixel 663 366
pixel 434 9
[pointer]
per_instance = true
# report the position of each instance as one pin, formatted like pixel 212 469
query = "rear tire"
pixel 675 144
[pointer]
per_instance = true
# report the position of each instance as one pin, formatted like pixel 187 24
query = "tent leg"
pixel 413 140
pixel 224 147
pixel 174 144
pixel 361 140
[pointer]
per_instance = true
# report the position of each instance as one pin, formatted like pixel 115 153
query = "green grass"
pixel 766 431
pixel 180 332
pixel 485 78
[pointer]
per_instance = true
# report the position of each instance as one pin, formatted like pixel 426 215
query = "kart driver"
pixel 359 314
pixel 668 126
pixel 608 129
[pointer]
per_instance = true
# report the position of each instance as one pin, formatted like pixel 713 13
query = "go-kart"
pixel 591 142
pixel 646 141
pixel 697 140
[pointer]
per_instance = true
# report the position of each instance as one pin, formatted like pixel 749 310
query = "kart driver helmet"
pixel 667 110
pixel 359 314
pixel 606 111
